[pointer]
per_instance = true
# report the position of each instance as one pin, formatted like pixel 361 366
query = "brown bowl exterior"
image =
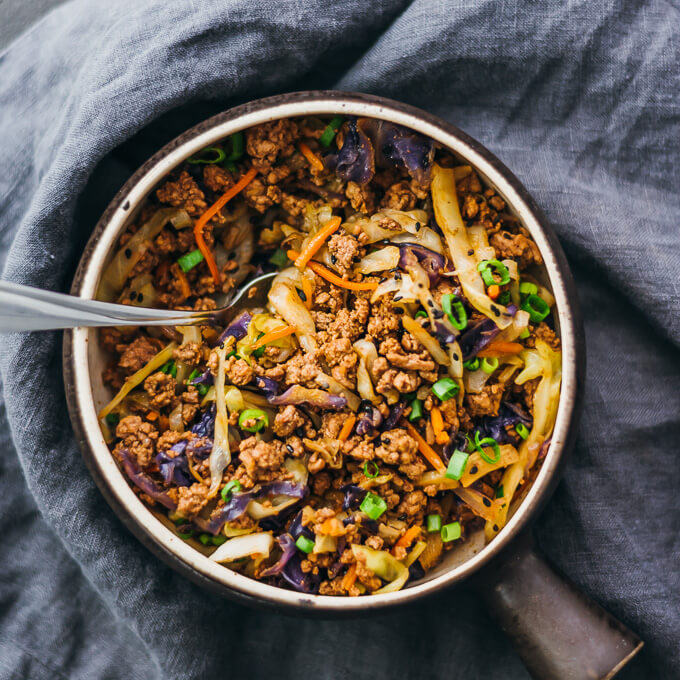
pixel 83 364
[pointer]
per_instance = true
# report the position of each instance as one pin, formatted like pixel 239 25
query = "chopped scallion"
pixel 169 368
pixel 237 147
pixel 216 156
pixel 205 539
pixel 279 258
pixel 499 492
pixel 451 304
pixel 471 364
pixel 374 470
pixel 524 334
pixel 434 523
pixel 457 464
pixel 233 486
pixel 190 260
pixel 489 364
pixel 328 135
pixel 450 532
pixel 373 505
pixel 218 540
pixel 112 419
pixel 421 314
pixel 485 267
pixel 522 430
pixel 258 415
pixel 305 544
pixel 537 307
pixel 445 388
pixel 528 288
pixel 486 442
pixel 416 410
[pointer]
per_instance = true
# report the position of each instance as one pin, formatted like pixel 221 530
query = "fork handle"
pixel 23 308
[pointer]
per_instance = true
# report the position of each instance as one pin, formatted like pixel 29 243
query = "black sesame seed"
pixel 398 310
pixel 333 259
pixel 420 285
pixel 495 310
pixel 430 303
pixel 473 470
pixel 133 295
pixel 455 357
pixel 437 313
pixel 507 234
pixel 495 527
pixel 232 255
pixel 486 502
pixel 302 295
pixel 418 225
pixel 289 448
pixel 471 252
pixel 386 441
pixel 140 297
pixel 384 278
pixel 128 253
pixel 356 258
pixel 397 298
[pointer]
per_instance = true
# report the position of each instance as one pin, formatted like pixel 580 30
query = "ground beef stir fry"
pixel 394 395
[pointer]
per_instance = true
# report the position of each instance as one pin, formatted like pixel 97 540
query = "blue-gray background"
pixel 580 99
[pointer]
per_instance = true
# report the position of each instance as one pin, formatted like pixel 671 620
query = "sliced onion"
pixel 244 546
pixel 286 302
pixel 379 260
pixel 384 565
pixel 475 380
pixel 258 510
pixel 175 422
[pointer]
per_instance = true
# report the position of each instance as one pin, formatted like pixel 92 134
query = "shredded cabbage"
pixel 379 260
pixel 447 213
pixel 244 546
pixel 508 455
pixel 286 302
pixel 384 565
pixel 220 456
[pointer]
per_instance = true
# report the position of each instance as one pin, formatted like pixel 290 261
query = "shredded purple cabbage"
pixel 239 502
pixel 444 334
pixel 296 529
pixel 302 395
pixel 396 412
pixel 173 464
pixel 398 146
pixel 496 426
pixel 237 329
pixel 545 446
pixel 268 387
pixel 144 482
pixel 369 419
pixel 287 545
pixel 430 261
pixel 355 161
pixel 477 337
pixel 199 447
pixel 293 574
pixel 354 495
pixel 206 378
pixel 205 427
pixel 415 571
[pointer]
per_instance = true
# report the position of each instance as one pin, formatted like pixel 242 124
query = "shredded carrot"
pixel 347 426
pixel 152 415
pixel 182 279
pixel 409 536
pixel 428 452
pixel 350 577
pixel 313 159
pixel 308 291
pixel 333 278
pixel 163 423
pixel 317 241
pixel 274 335
pixel 493 291
pixel 499 348
pixel 332 527
pixel 211 212
pixel 440 436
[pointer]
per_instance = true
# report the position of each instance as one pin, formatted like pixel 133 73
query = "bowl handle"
pixel 559 632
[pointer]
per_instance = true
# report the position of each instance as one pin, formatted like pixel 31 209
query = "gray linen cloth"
pixel 580 99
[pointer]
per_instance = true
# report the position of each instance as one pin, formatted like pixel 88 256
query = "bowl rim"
pixel 110 479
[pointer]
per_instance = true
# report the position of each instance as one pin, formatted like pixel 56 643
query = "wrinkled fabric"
pixel 580 99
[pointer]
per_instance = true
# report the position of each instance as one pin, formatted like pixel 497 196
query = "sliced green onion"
pixel 180 520
pixel 434 523
pixel 185 535
pixel 190 260
pixel 537 307
pixel 218 540
pixel 279 258
pixel 445 388
pixel 112 419
pixel 524 334
pixel 373 505
pixel 202 389
pixel 487 441
pixel 237 147
pixel 450 304
pixel 374 470
pixel 528 288
pixel 170 368
pixel 416 410
pixel 193 375
pixel 328 135
pixel 234 486
pixel 471 364
pixel 205 539
pixel 231 166
pixel 484 268
pixel 522 430
pixel 489 364
pixel 500 492
pixel 504 298
pixel 305 544
pixel 258 415
pixel 457 464
pixel 218 158
pixel 450 532
pixel 259 352
pixel 421 314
